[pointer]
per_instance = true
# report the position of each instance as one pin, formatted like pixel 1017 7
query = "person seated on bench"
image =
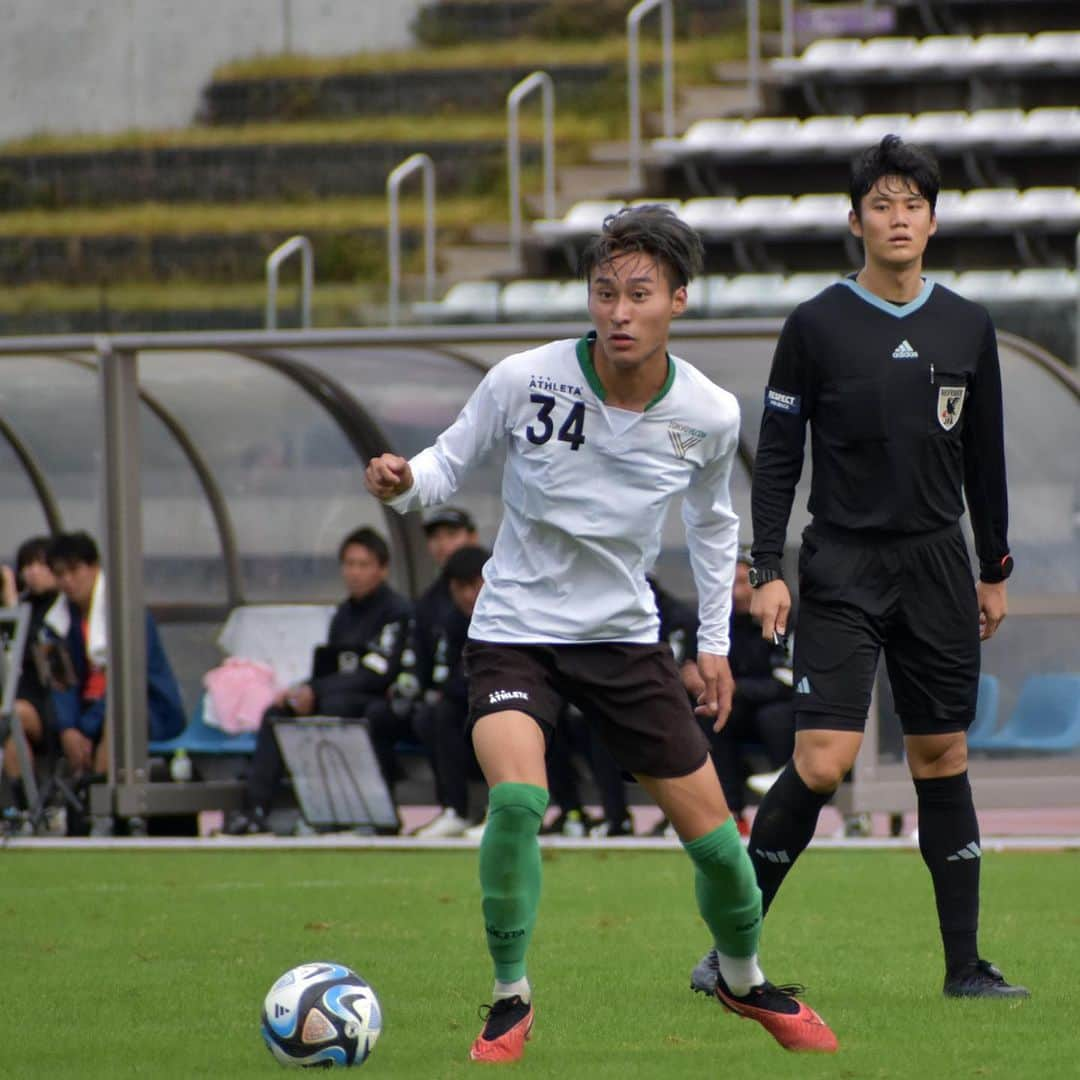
pixel 405 716
pixel 444 728
pixel 352 671
pixel 30 582
pixel 75 651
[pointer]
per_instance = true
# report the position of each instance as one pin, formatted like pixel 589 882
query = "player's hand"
pixel 388 475
pixel 301 700
pixel 715 699
pixel 9 592
pixel 770 606
pixel 78 749
pixel 993 606
pixel 691 679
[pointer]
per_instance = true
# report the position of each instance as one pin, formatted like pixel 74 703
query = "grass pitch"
pixel 152 963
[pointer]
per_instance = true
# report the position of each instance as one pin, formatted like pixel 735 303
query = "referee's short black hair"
pixel 652 229
pixel 894 157
pixel 366 538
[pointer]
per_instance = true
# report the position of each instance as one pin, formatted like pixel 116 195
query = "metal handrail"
pixel 667 34
pixel 307 278
pixel 753 53
pixel 543 81
pixel 787 28
pixel 393 185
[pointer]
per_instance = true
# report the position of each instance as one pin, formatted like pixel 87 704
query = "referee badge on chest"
pixel 950 400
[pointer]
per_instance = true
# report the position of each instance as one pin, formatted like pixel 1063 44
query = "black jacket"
pixel 374 629
pixel 905 413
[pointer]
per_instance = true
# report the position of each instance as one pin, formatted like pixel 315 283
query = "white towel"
pixel 58 619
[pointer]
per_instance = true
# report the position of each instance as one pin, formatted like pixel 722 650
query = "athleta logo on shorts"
pixel 497 696
pixel 777 399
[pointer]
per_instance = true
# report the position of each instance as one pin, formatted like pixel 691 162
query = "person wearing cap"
pixel 407 715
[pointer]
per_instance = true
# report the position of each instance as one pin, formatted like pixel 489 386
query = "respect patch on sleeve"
pixel 781 401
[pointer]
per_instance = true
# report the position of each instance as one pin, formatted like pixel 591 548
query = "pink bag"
pixel 240 692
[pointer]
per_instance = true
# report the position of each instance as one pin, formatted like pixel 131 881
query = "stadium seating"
pixel 986 712
pixel 723 295
pixel 200 738
pixel 905 58
pixel 467 301
pixel 1046 718
pixel 1054 209
pixel 947 130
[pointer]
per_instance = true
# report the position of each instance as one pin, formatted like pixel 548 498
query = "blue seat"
pixel 1046 718
pixel 986 712
pixel 200 738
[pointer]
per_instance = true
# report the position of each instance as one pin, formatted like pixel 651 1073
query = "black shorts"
pixel 630 693
pixel 911 596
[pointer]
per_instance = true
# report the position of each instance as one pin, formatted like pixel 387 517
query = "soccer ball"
pixel 321 1015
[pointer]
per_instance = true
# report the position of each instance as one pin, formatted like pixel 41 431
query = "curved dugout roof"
pixel 252 457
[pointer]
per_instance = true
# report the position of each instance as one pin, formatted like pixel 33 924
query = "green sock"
pixel 727 893
pixel 510 874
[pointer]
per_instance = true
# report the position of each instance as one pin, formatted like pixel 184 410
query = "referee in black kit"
pixel 899 380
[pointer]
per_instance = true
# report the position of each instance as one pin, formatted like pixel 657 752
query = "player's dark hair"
pixel 71 549
pixel 894 157
pixel 653 230
pixel 366 538
pixel 36 549
pixel 467 563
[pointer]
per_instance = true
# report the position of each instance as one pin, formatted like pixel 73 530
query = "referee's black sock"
pixel 783 826
pixel 949 842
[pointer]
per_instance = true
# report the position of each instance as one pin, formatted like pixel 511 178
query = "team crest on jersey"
pixel 950 400
pixel 683 438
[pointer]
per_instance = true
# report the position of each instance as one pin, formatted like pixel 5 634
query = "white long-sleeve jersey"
pixel 585 491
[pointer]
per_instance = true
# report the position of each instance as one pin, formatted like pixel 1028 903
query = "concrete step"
pixel 603 180
pixel 710 103
pixel 476 262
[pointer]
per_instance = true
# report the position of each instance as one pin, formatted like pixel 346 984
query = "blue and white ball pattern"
pixel 321 1015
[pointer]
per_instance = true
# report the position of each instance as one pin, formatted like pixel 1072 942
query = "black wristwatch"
pixel 993 573
pixel 759 577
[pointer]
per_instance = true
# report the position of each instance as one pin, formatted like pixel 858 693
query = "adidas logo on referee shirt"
pixel 905 351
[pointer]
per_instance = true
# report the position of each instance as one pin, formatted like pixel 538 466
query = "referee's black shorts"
pixel 912 596
pixel 630 693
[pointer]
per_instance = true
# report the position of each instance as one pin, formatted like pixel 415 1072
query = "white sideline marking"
pixel 351 842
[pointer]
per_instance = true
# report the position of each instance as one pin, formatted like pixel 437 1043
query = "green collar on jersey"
pixel 588 369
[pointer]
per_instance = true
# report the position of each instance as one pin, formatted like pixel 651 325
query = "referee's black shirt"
pixel 904 405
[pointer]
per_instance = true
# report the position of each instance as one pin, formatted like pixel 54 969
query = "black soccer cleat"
pixel 704 977
pixel 980 979
pixel 247 824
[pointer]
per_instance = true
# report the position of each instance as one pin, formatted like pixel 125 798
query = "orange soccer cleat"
pixel 507 1026
pixel 793 1024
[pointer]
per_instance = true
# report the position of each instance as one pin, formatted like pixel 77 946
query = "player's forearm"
pixel 984 461
pixel 713 552
pixel 777 468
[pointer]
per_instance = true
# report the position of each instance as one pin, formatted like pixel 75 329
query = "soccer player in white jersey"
pixel 600 435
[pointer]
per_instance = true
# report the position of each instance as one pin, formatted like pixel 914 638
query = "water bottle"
pixel 180 766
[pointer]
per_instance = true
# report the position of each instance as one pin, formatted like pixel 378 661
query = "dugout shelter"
pixel 222 469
